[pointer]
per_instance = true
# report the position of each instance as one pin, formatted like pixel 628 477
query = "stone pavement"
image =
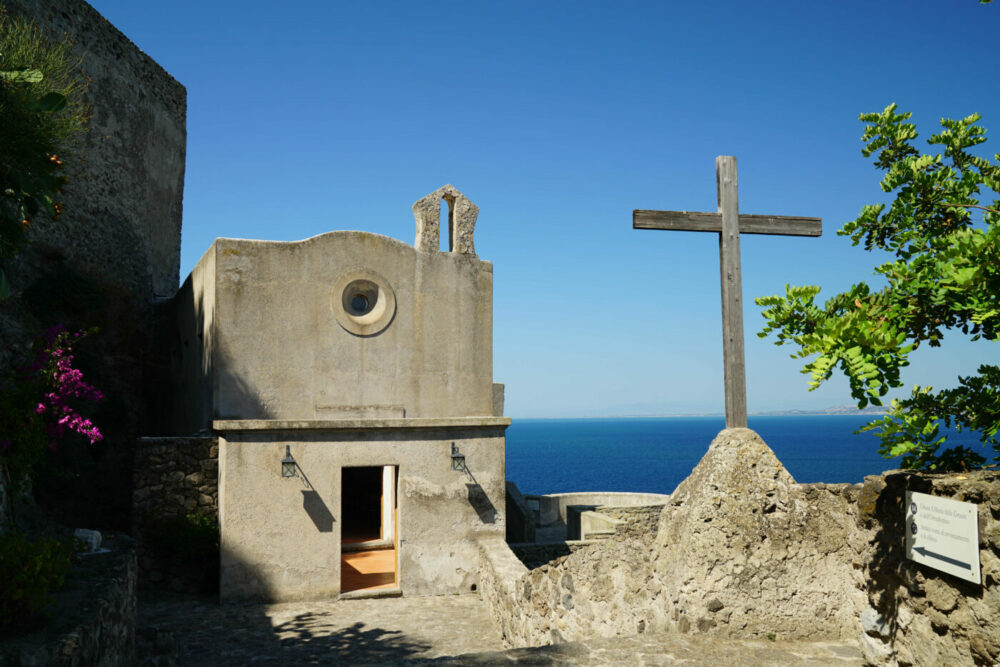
pixel 449 630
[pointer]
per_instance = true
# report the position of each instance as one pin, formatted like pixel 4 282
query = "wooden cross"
pixel 728 223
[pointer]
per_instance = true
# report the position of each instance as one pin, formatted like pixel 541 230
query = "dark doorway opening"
pixel 369 529
pixel 362 504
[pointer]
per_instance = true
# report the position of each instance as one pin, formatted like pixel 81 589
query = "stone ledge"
pixel 231 425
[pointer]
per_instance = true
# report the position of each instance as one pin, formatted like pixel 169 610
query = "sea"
pixel 654 455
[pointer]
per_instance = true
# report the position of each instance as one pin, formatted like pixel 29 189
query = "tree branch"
pixel 985 208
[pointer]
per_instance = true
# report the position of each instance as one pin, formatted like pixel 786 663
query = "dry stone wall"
pixel 536 554
pixel 634 521
pixel 174 478
pixel 744 551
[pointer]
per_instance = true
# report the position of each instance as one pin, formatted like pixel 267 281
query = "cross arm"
pixel 712 222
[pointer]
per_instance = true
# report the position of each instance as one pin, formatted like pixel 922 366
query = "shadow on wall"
pixel 889 560
pixel 901 590
pixel 481 502
pixel 188 369
pixel 314 506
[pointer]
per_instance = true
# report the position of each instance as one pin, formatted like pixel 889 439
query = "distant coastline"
pixel 847 410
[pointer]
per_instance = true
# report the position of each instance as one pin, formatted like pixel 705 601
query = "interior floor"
pixel 368 570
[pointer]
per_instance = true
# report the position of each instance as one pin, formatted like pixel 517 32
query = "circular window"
pixel 360 297
pixel 359 304
pixel 363 302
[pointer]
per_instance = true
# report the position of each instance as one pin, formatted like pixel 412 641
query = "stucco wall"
pixel 124 197
pixel 188 334
pixel 263 325
pixel 281 536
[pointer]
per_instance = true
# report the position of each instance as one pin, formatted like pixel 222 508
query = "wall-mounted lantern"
pixel 288 464
pixel 457 459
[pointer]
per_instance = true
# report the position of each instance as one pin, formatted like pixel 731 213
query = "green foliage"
pixel 945 275
pixel 31 570
pixel 22 430
pixel 42 115
pixel 191 537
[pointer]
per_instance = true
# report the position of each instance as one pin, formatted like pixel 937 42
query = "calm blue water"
pixel 655 455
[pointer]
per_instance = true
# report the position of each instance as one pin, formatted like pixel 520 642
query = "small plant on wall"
pixel 32 568
pixel 189 543
pixel 42 118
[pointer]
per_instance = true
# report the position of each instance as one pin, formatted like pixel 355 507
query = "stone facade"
pixel 173 478
pixel 742 551
pixel 353 354
pixel 265 330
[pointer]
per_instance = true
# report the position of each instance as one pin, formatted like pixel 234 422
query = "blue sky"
pixel 557 119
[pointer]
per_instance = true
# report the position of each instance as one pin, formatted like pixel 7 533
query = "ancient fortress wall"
pixel 123 202
pixel 742 551
pixel 116 248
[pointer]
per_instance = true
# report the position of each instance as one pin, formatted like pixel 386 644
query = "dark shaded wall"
pixel 106 264
pixel 123 202
pixel 176 513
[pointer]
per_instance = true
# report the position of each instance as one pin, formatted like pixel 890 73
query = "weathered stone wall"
pixel 536 554
pixel 500 577
pixel 552 508
pixel 123 200
pixel 915 614
pixel 95 623
pixel 634 521
pixel 730 562
pixel 173 478
pixel 115 249
pixel 742 551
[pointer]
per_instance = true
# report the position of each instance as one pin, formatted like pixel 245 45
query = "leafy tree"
pixel 42 116
pixel 945 276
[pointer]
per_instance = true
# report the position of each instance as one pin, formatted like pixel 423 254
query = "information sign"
pixel 944 534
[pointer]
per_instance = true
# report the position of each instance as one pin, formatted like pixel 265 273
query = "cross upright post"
pixel 729 224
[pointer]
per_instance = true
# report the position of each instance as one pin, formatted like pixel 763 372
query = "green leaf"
pixel 52 102
pixel 22 76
